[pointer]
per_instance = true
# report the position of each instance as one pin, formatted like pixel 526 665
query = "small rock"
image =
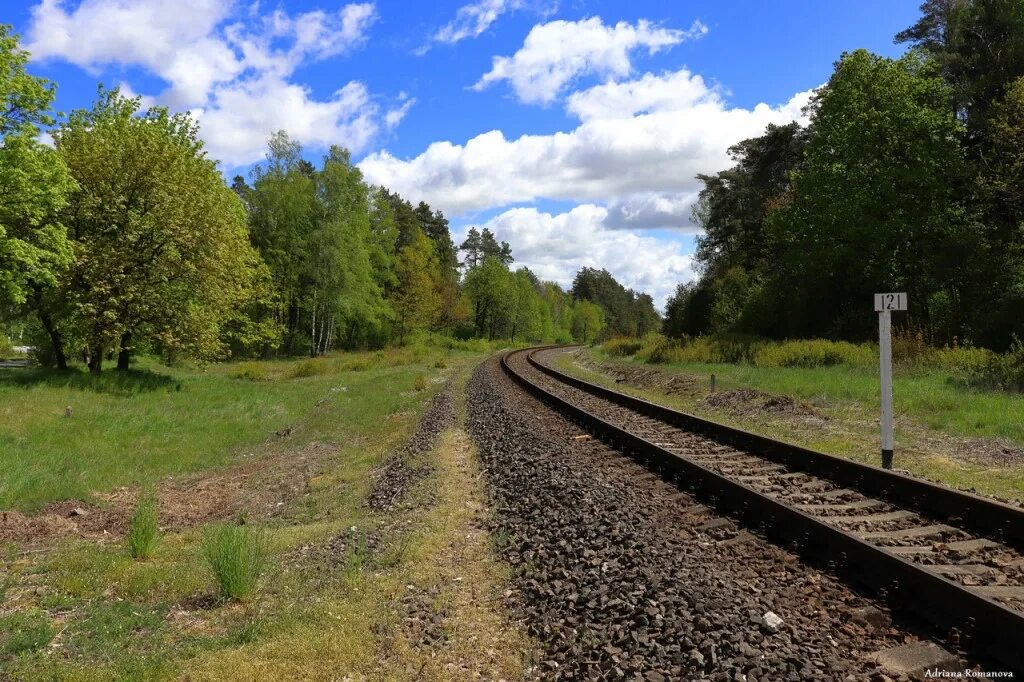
pixel 771 621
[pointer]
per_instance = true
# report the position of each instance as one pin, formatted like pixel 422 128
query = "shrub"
pixel 1004 371
pixel 441 364
pixel 143 527
pixel 622 346
pixel 308 368
pixel 237 557
pixel 420 383
pixel 6 348
pixel 814 353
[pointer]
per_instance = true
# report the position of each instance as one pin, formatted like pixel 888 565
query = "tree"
pixel 34 184
pixel 733 203
pixel 161 247
pixel 875 205
pixel 979 47
pixel 587 321
pixel 415 299
pixel 488 289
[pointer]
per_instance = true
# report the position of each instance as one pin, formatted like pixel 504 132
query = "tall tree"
pixel 587 321
pixel 34 185
pixel 875 206
pixel 415 298
pixel 161 248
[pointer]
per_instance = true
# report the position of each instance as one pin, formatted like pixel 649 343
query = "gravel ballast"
pixel 621 576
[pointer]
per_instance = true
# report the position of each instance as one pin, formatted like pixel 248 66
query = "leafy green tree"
pixel 979 47
pixel 415 299
pixel 34 184
pixel 162 254
pixel 587 321
pixel 488 288
pixel 875 205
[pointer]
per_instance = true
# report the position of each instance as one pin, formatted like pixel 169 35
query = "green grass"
pixel 86 610
pixel 143 527
pixel 935 416
pixel 927 396
pixel 237 556
pixel 134 428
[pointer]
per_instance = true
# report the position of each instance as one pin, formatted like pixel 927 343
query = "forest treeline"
pixel 908 177
pixel 122 237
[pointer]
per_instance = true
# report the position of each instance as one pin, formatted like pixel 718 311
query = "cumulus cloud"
pixel 654 146
pixel 555 246
pixel 231 70
pixel 558 52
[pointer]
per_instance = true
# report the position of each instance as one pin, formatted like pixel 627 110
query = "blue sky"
pixel 573 129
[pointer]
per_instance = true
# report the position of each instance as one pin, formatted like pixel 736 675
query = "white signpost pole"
pixel 885 304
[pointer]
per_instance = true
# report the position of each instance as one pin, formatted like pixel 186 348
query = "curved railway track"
pixel 955 558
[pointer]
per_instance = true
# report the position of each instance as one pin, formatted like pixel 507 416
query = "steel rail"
pixel 992 627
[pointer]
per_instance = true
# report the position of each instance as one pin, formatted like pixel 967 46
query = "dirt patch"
pixel 258 488
pixel 644 377
pixel 1000 452
pixel 749 401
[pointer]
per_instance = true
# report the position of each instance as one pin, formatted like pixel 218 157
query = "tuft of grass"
pixel 237 555
pixel 441 364
pixel 143 527
pixel 420 383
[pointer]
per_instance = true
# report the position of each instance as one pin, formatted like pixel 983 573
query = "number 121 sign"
pixel 884 302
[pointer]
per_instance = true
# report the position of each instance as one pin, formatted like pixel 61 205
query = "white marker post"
pixel 885 304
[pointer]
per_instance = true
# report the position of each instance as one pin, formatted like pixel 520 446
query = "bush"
pixel 237 557
pixel 1005 372
pixel 420 383
pixel 143 527
pixel 308 368
pixel 814 353
pixel 622 346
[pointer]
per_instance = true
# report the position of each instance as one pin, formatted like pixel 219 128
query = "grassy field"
pixel 334 598
pixel 947 432
pixel 136 427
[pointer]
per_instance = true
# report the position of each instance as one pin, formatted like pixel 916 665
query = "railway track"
pixel 955 558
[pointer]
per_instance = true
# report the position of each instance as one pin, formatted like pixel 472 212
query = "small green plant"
pixel 237 556
pixel 143 527
pixel 441 364
pixel 420 383
pixel 22 632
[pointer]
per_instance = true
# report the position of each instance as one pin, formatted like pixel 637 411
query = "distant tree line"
pixel 909 176
pixel 124 238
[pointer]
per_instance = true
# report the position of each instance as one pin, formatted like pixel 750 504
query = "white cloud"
pixel 233 76
pixel 619 149
pixel 555 247
pixel 556 53
pixel 473 19
pixel 172 39
pixel 243 115
pixel 394 116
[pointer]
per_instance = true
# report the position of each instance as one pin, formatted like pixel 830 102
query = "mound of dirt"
pixel 749 401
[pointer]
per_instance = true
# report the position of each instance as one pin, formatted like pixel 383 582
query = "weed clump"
pixel 237 557
pixel 308 368
pixel 420 383
pixel 143 527
pixel 250 371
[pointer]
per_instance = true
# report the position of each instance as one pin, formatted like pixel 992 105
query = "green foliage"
pixel 237 556
pixel 308 368
pixel 415 299
pixel 420 383
pixel 34 182
pixel 587 321
pixel 1003 371
pixel 625 312
pixel 162 254
pixel 815 353
pixel 143 527
pixel 622 346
